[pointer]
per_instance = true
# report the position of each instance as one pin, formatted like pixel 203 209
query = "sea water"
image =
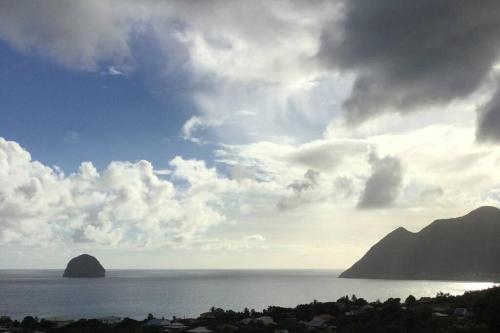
pixel 187 293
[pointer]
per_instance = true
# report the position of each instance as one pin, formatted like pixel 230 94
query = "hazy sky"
pixel 241 134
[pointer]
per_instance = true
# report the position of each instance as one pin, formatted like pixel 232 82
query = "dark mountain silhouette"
pixel 84 266
pixel 463 248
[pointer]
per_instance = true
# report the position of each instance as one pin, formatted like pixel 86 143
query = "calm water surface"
pixel 135 293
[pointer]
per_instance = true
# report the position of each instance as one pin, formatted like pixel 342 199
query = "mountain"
pixel 84 266
pixel 463 248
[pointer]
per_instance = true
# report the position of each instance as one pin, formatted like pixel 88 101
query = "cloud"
pixel 127 204
pixel 431 194
pixel 299 190
pixel 114 71
pixel 343 187
pixel 488 125
pixel 190 127
pixel 71 137
pixel 310 180
pixel 383 186
pixel 255 238
pixel 246 243
pixel 328 154
pixel 409 54
pixel 251 72
pixel 278 68
pixel 227 39
pixel 78 35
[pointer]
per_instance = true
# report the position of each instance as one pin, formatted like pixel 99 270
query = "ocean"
pixel 187 293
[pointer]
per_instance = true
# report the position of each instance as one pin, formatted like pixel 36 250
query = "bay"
pixel 187 293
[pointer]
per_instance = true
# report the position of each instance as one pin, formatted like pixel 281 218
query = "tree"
pixel 29 322
pixel 410 300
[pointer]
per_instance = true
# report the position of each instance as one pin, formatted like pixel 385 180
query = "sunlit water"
pixel 135 293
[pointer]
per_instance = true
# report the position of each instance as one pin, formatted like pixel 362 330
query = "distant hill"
pixel 84 266
pixel 463 248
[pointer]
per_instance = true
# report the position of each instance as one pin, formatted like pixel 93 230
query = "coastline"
pixel 187 293
pixel 476 311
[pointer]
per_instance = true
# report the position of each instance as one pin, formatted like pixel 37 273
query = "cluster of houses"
pixel 317 323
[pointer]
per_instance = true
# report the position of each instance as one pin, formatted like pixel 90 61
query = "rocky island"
pixel 84 266
pixel 463 248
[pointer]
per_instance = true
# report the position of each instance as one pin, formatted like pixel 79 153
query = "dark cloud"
pixel 488 125
pixel 412 53
pixel 299 187
pixel 310 180
pixel 431 194
pixel 383 185
pixel 343 187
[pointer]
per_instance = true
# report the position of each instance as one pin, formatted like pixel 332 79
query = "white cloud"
pixel 114 71
pixel 125 204
pixel 442 163
pixel 190 127
pixel 246 243
pixel 194 207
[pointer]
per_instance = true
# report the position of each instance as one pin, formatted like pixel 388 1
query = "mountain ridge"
pixel 460 248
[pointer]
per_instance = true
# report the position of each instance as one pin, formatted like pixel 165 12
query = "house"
pixel 13 330
pixel 227 328
pixel 208 315
pixel 425 300
pixel 175 327
pixel 109 320
pixel 316 323
pixel 200 329
pixel 367 308
pixel 59 322
pixel 266 320
pixel 460 312
pixel 158 322
pixel 247 321
pixel 325 317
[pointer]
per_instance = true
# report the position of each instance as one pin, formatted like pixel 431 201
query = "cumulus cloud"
pixel 409 54
pixel 125 204
pixel 383 186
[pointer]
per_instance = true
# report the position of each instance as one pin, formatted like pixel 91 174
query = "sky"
pixel 217 134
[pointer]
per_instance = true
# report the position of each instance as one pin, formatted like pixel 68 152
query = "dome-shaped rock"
pixel 84 266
